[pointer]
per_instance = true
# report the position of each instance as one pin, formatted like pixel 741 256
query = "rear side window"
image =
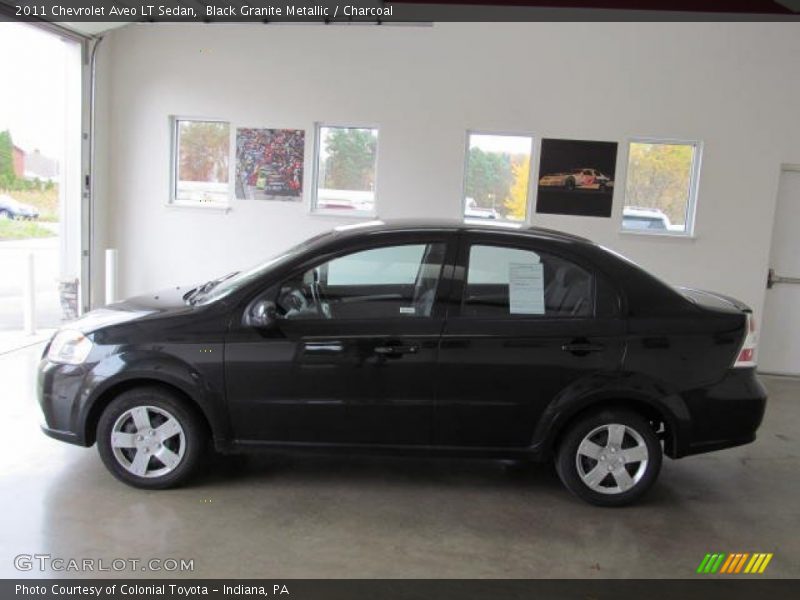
pixel 512 282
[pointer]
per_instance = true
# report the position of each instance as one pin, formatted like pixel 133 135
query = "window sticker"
pixel 526 288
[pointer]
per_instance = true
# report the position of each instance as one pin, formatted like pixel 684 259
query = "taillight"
pixel 747 354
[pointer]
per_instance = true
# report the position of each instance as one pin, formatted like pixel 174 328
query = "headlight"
pixel 69 347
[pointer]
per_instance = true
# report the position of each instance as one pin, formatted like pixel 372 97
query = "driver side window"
pixel 379 283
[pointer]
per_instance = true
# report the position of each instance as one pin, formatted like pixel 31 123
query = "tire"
pixel 4 215
pixel 603 471
pixel 133 449
pixel 570 184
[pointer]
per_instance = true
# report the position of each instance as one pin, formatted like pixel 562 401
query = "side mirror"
pixel 263 315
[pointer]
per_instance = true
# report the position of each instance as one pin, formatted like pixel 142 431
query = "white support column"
pixel 29 296
pixel 111 275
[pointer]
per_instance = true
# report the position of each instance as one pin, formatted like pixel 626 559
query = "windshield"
pixel 230 284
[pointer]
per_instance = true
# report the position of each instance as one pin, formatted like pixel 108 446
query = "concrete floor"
pixel 363 517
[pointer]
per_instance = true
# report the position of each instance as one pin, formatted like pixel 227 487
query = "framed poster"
pixel 269 164
pixel 576 177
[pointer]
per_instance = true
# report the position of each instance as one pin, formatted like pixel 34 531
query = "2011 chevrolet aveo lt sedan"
pixel 431 338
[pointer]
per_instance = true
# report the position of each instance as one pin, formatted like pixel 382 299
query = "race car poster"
pixel 269 164
pixel 576 177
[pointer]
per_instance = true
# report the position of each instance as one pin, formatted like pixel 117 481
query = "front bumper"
pixel 726 414
pixel 63 402
pixel 63 436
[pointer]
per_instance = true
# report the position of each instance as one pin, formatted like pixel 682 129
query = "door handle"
pixel 582 348
pixel 395 350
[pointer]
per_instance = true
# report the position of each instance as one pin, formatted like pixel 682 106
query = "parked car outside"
pixel 578 178
pixel 473 211
pixel 425 338
pixel 635 218
pixel 356 200
pixel 14 209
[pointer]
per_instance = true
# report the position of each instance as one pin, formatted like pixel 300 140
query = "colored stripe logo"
pixel 734 564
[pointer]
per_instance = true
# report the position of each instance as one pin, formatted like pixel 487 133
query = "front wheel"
pixel 148 438
pixel 610 458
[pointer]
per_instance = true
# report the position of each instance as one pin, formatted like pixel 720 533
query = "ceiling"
pixel 90 28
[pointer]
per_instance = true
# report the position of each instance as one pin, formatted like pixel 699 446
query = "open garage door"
pixel 780 345
pixel 40 182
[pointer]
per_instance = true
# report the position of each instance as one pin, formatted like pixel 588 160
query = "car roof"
pixel 399 225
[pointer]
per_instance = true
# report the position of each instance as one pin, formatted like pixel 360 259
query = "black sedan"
pixel 428 338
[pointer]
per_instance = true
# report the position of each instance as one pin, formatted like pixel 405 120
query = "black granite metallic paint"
pixel 489 387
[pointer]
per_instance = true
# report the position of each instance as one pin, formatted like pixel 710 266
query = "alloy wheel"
pixel 612 458
pixel 148 441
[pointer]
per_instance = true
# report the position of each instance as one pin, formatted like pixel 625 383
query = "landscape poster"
pixel 576 177
pixel 269 164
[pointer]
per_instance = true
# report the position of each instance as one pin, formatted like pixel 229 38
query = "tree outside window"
pixel 346 170
pixel 202 155
pixel 661 184
pixel 497 177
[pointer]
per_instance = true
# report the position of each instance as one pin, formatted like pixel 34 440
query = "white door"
pixel 779 349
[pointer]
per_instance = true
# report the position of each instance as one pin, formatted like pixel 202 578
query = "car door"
pixel 529 323
pixel 352 357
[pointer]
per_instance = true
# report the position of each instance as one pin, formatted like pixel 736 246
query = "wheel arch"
pixel 670 427
pixel 107 395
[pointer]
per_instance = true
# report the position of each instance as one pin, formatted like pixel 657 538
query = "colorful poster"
pixel 269 164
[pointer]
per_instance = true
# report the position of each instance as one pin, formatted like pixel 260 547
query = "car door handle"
pixel 394 350
pixel 324 347
pixel 582 348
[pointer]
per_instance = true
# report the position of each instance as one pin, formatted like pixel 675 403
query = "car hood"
pixel 166 302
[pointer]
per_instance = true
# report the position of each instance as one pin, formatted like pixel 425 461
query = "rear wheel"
pixel 609 458
pixel 570 184
pixel 148 438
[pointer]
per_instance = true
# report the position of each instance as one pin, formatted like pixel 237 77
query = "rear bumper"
pixel 726 414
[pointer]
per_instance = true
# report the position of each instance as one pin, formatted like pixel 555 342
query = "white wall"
pixel 733 86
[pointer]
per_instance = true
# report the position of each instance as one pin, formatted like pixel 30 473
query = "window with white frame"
pixel 201 150
pixel 497 178
pixel 346 167
pixel 661 189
